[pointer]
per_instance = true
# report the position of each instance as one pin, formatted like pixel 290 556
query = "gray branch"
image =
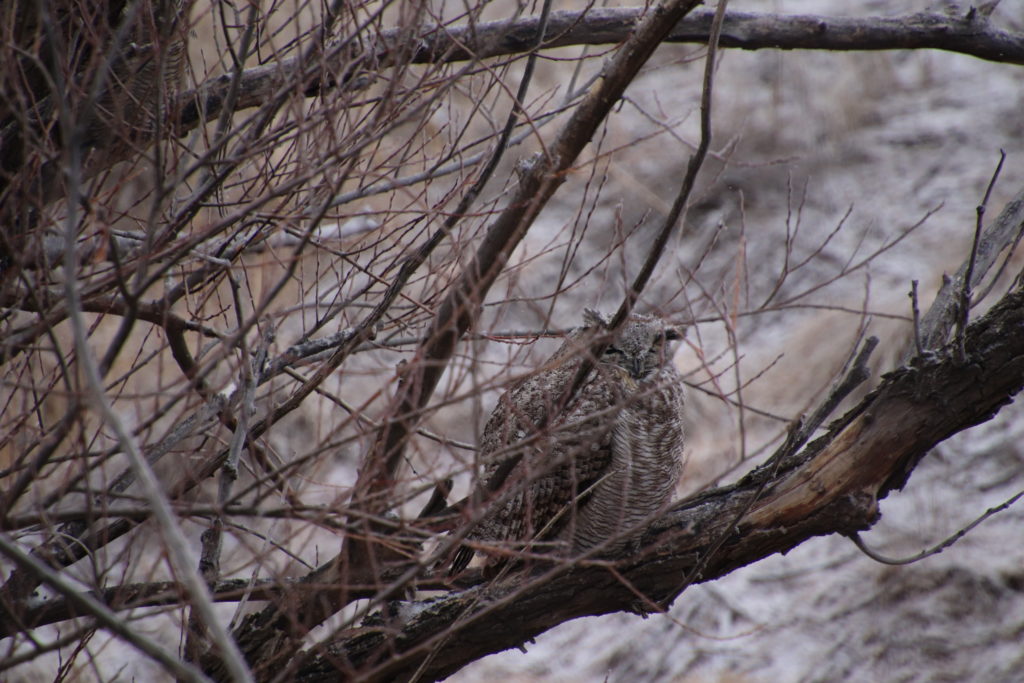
pixel 832 487
pixel 970 34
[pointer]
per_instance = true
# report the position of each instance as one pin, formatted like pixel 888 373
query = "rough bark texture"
pixel 970 34
pixel 831 487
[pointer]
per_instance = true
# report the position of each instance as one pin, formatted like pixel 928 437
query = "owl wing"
pixel 537 466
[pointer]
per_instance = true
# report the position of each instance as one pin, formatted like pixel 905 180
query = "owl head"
pixel 640 346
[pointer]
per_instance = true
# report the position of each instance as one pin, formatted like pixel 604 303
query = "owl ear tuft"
pixel 675 333
pixel 592 318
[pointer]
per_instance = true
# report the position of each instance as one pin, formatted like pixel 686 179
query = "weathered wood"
pixel 832 486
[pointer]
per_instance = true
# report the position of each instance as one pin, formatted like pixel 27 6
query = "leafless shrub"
pixel 265 269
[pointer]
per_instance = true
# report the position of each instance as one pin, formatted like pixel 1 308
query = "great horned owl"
pixel 588 473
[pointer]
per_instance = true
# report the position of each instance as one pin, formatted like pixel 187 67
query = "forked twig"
pixel 964 305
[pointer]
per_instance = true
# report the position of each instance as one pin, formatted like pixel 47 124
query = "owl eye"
pixel 613 351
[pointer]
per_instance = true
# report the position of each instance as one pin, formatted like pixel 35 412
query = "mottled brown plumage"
pixel 587 474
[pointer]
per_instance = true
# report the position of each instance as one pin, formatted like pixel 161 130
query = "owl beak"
pixel 636 368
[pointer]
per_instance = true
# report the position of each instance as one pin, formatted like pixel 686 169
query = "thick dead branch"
pixel 833 486
pixel 971 34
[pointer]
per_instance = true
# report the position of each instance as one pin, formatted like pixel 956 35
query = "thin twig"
pixel 671 219
pixel 964 305
pixel 87 604
pixel 936 549
pixel 391 439
pixel 179 552
pixel 940 318
pixel 799 434
pixel 917 317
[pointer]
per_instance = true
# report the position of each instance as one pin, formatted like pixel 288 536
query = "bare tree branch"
pixel 138 317
pixel 179 551
pixel 940 318
pixel 833 486
pixel 971 34
pixel 85 604
pixel 538 180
